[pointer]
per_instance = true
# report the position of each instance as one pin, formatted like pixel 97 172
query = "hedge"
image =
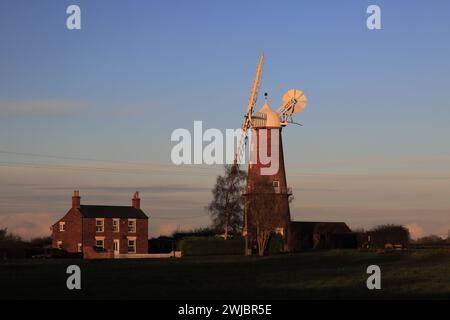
pixel 208 246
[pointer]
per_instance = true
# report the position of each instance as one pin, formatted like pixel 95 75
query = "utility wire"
pixel 170 166
pixel 101 170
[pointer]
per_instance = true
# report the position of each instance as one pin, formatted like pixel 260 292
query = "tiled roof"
pixel 89 211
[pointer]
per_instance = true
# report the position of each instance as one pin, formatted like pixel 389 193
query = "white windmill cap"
pixel 266 117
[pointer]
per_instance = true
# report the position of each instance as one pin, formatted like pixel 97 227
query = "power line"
pixel 64 157
pixel 40 155
pixel 101 169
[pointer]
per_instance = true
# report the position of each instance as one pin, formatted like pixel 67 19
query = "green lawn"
pixel 331 274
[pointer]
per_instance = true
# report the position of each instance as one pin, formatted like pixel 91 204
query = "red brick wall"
pixel 72 235
pixel 141 234
pixel 89 233
pixel 142 231
pixel 254 172
pixel 90 253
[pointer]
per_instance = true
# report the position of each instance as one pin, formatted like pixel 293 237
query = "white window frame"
pixel 100 246
pixel 59 245
pixel 117 225
pixel 128 244
pixel 79 247
pixel 135 225
pixel 102 220
pixel 62 226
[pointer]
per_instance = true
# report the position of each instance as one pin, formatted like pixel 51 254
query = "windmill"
pixel 272 122
pixel 294 101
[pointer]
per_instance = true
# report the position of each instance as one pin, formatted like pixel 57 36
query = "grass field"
pixel 329 275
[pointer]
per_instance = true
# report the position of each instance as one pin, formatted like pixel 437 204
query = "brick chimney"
pixel 136 201
pixel 76 200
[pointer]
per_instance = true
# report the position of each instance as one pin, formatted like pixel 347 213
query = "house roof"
pixel 89 211
pixel 320 227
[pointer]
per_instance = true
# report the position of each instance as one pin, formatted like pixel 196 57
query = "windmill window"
pixel 279 231
pixel 276 186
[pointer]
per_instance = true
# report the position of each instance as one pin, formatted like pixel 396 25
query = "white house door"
pixel 116 247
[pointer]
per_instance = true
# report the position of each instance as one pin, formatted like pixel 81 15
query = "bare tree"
pixel 226 208
pixel 261 205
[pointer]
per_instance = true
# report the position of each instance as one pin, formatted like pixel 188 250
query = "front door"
pixel 116 247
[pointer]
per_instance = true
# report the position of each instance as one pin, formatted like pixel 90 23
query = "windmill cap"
pixel 269 117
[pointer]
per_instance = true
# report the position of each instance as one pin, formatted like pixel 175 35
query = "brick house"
pixel 102 231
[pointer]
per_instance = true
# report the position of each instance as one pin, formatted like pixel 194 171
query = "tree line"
pixel 13 246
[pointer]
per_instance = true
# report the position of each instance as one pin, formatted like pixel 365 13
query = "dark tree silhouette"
pixel 226 208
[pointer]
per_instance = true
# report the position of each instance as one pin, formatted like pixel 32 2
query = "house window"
pixel 131 245
pixel 132 225
pixel 80 247
pixel 100 244
pixel 115 225
pixel 62 226
pixel 99 225
pixel 59 245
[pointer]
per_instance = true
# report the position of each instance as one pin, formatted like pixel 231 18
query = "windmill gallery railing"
pixel 277 190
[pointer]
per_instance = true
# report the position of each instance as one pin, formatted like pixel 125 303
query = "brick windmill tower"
pixel 266 176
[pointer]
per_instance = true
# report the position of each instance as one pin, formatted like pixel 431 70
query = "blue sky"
pixel 374 147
